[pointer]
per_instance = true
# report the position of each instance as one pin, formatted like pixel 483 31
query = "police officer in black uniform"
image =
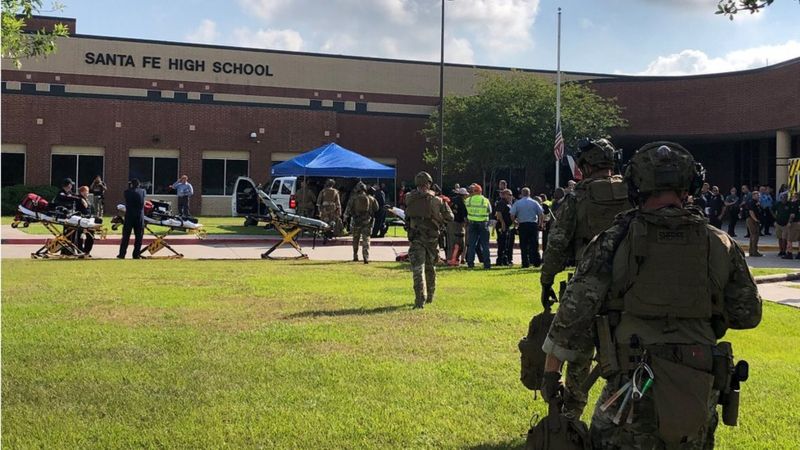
pixel 134 219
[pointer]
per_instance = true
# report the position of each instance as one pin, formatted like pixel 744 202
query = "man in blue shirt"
pixel 528 213
pixel 184 190
pixel 767 219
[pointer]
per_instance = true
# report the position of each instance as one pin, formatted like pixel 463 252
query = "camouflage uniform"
pixel 329 206
pixel 306 199
pixel 361 209
pixel 596 284
pixel 425 215
pixel 580 217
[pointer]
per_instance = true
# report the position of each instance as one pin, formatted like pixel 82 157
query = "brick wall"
pixel 91 122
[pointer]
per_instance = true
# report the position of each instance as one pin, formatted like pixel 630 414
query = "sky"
pixel 636 37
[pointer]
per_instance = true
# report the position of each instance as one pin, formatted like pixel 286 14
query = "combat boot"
pixel 430 297
pixel 355 256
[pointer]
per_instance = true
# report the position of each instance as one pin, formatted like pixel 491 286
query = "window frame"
pixel 77 166
pixel 153 170
pixel 225 175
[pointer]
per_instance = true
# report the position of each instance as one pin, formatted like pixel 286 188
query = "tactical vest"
pixel 423 212
pixel 667 268
pixel 328 197
pixel 360 204
pixel 599 201
pixel 477 208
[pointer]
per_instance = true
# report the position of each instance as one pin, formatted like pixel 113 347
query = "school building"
pixel 124 108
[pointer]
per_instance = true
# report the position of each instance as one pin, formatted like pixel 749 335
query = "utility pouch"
pixel 681 396
pixel 722 367
pixel 606 350
pixel 532 357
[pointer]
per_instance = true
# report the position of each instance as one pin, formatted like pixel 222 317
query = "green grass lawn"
pixel 759 271
pixel 213 225
pixel 256 354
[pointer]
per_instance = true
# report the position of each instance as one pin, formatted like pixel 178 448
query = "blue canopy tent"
pixel 332 160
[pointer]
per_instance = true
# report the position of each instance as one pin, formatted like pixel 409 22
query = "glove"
pixel 551 386
pixel 548 295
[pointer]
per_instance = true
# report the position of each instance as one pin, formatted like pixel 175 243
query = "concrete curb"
pixel 777 278
pixel 213 241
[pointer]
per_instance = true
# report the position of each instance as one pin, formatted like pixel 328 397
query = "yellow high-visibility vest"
pixel 477 208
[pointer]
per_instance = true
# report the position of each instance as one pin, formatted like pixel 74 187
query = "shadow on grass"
pixel 248 231
pixel 347 312
pixel 515 444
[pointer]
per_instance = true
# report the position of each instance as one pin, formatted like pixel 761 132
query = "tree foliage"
pixel 731 7
pixel 510 123
pixel 17 44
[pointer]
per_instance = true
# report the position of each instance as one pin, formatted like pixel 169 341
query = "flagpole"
pixel 558 92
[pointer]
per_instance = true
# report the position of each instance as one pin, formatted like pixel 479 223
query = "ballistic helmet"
pixel 663 166
pixel 599 153
pixel 329 183
pixel 360 187
pixel 422 178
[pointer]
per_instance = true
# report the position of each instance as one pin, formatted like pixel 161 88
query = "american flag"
pixel 558 147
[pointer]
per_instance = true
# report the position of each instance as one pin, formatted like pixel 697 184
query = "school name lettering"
pixel 179 64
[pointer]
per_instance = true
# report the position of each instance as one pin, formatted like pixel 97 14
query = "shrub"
pixel 12 195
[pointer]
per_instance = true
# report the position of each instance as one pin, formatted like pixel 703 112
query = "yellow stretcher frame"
pixel 61 240
pixel 160 242
pixel 289 234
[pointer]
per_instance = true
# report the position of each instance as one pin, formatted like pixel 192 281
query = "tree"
pixel 731 7
pixel 510 123
pixel 19 44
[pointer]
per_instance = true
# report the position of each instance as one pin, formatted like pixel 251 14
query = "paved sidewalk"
pixel 787 293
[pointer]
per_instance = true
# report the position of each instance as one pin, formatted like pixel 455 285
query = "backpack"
pixel 599 201
pixel 34 203
pixel 361 205
pixel 532 356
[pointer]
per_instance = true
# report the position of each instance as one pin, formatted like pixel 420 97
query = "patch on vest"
pixel 672 237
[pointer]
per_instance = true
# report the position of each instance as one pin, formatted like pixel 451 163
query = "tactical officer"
pixel 585 211
pixel 425 215
pixel 306 199
pixel 661 286
pixel 329 206
pixel 361 209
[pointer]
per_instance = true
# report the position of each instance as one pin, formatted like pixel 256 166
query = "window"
pixel 13 169
pixel 286 188
pixel 213 177
pixel 80 168
pixel 276 185
pixel 219 175
pixel 234 168
pixel 156 175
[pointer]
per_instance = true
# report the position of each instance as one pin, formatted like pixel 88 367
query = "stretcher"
pixel 159 223
pixel 258 207
pixel 62 223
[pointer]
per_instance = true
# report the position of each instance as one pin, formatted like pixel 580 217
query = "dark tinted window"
pixel 165 173
pixel 142 168
pixel 213 177
pixel 63 166
pixel 88 168
pixel 13 168
pixel 233 169
pixel 276 185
